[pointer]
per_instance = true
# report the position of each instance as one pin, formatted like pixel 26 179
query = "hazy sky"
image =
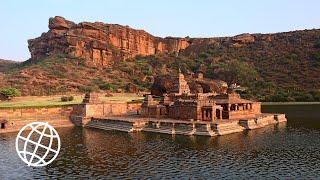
pixel 25 19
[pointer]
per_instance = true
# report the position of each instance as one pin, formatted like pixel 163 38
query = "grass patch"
pixel 33 101
pixel 122 98
pixel 55 101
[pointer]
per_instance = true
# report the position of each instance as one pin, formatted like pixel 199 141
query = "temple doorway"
pixel 3 125
pixel 218 114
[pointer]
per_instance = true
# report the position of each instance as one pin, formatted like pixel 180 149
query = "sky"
pixel 26 19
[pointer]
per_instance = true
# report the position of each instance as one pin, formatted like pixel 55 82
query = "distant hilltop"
pixel 103 44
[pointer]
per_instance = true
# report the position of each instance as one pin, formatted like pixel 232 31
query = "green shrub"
pixel 303 96
pixel 64 99
pixel 316 57
pixel 280 96
pixel 316 95
pixel 234 71
pixel 71 98
pixel 106 86
pixel 143 67
pixel 317 45
pixel 67 98
pixel 10 92
pixel 204 55
pixel 103 85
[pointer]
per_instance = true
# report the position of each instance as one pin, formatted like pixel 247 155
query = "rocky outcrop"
pixel 60 23
pixel 166 84
pixel 163 84
pixel 243 38
pixel 6 65
pixel 98 43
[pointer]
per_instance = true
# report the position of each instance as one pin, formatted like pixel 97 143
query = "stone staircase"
pixel 110 126
pixel 262 121
pixel 184 128
pixel 228 128
pixel 159 130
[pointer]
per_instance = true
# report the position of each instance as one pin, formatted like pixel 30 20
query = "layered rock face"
pixel 98 43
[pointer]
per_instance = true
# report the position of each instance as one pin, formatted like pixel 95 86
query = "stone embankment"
pixel 13 119
pixel 170 126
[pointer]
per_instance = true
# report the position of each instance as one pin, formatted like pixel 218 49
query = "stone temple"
pixel 182 111
pixel 182 105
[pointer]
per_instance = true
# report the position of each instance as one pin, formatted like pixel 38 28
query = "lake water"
pixel 286 151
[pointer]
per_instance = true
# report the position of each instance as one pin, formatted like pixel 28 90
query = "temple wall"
pixel 239 114
pixel 256 107
pixel 183 112
pixel 133 107
pixel 32 112
pixel 151 112
pixel 18 117
pixel 64 116
pixel 105 109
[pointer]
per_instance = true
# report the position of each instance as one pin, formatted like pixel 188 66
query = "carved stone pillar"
pixel 229 107
pixel 173 129
pixel 158 125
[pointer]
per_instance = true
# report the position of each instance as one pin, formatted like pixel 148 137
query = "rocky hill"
pixel 99 43
pixel 96 56
pixel 6 65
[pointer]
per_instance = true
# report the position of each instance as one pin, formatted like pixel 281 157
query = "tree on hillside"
pixel 236 71
pixel 8 93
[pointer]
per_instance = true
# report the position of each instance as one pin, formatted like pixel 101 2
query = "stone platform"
pixel 183 127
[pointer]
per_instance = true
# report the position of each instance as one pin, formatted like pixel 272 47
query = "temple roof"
pixel 232 98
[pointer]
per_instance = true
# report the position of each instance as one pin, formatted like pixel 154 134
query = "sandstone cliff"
pixel 98 43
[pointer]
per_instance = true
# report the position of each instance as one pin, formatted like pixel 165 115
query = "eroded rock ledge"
pixel 98 43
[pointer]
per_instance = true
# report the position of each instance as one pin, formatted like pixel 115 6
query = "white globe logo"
pixel 38 147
